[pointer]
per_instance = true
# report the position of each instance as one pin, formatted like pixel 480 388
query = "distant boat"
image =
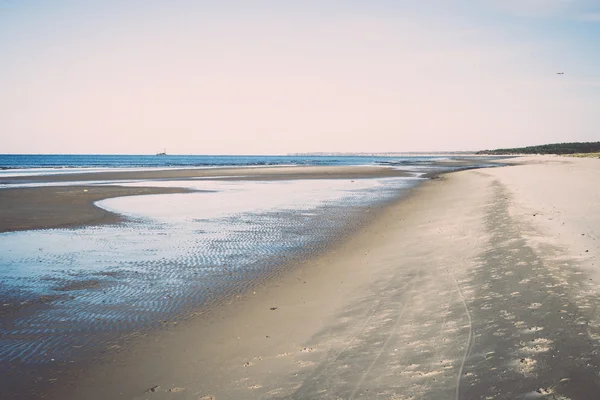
pixel 162 153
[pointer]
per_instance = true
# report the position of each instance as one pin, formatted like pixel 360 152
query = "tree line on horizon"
pixel 554 148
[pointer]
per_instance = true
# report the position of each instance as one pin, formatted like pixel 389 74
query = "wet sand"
pixel 479 285
pixel 63 206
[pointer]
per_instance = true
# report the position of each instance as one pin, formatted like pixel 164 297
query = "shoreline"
pixel 322 173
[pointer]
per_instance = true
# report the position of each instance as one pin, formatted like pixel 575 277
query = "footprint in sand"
pixel 533 329
pixel 526 365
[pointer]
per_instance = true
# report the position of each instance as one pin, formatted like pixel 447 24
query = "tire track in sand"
pixel 321 373
pixel 389 337
pixel 469 339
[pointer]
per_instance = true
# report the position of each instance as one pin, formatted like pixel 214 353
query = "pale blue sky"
pixel 268 77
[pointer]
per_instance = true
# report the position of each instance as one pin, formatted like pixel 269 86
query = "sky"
pixel 277 77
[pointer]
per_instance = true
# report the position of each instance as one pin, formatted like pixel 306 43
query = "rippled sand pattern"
pixel 67 292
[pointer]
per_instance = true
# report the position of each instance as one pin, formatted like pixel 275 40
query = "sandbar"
pixel 63 206
pixel 249 173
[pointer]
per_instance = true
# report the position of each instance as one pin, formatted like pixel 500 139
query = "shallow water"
pixel 68 292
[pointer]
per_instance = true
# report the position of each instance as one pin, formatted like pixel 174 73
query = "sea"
pixel 62 161
pixel 50 164
pixel 68 295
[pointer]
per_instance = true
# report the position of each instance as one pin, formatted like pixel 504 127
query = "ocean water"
pixel 30 164
pixel 14 161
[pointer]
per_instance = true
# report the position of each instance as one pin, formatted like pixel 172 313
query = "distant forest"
pixel 555 148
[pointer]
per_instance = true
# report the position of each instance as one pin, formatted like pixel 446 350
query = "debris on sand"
pixel 152 389
pixel 176 389
pixel 273 308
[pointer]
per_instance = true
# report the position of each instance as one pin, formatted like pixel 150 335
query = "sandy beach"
pixel 481 284
pixel 310 200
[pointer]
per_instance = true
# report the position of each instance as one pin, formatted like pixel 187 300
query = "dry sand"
pixel 476 286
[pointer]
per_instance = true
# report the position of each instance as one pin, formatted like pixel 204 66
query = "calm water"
pixel 58 161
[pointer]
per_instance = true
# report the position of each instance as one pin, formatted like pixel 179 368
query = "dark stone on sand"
pixel 152 389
